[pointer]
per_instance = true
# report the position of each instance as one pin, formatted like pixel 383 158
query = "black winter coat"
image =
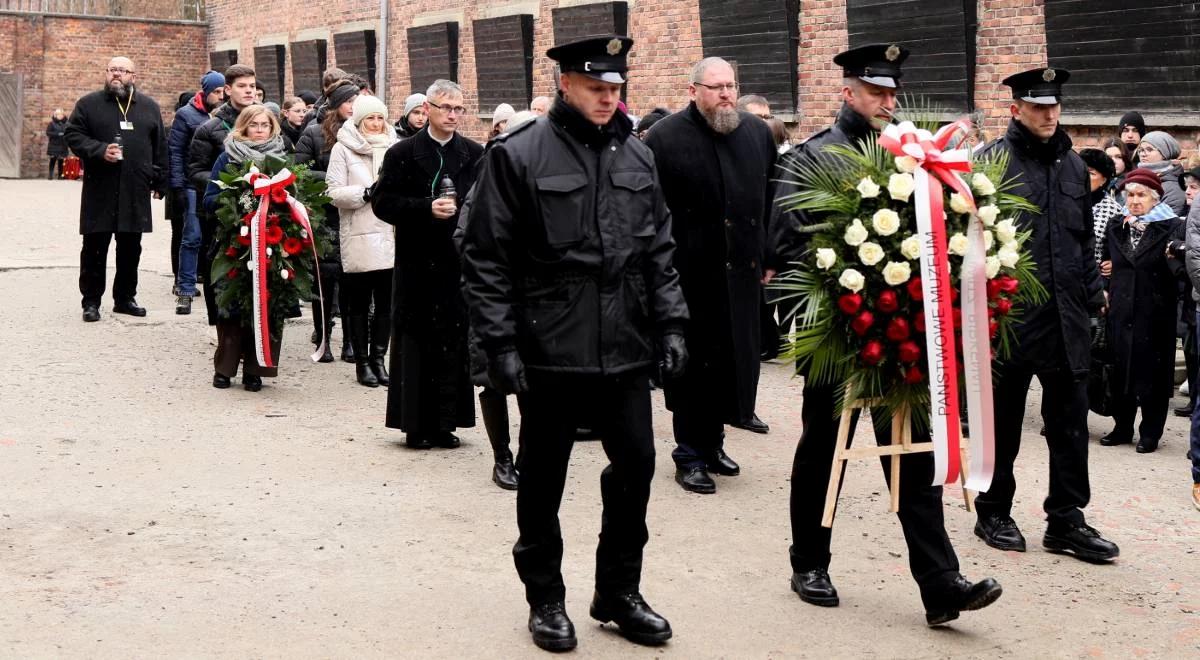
pixel 567 254
pixel 1055 335
pixel 208 143
pixel 718 190
pixel 1143 292
pixel 116 196
pixel 56 138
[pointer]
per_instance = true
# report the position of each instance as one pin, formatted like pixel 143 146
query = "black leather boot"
pixel 551 628
pixel 381 335
pixel 347 335
pixel 327 356
pixel 358 338
pixel 318 317
pixel 634 618
pixel 494 407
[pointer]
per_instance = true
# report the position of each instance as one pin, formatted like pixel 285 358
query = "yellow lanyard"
pixel 125 110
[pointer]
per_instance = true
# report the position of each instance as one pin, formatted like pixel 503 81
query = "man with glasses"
pixel 871 78
pixel 715 164
pixel 755 105
pixel 118 134
pixel 430 395
pixel 567 261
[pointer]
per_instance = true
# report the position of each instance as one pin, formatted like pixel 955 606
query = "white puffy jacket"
pixel 368 243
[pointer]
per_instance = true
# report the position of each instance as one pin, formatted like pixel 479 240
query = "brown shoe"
pixel 1196 496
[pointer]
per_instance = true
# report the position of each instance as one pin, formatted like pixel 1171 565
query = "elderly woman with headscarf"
pixel 1141 317
pixel 255 136
pixel 1157 152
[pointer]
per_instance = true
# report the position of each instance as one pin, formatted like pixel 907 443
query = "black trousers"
pixel 550 411
pixel 56 167
pixel 93 266
pixel 1154 415
pixel 697 418
pixel 931 558
pixel 1064 411
pixel 361 289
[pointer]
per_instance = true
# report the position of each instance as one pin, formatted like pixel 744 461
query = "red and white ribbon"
pixel 269 189
pixel 935 167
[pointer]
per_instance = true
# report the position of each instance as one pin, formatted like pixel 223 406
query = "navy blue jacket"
pixel 187 120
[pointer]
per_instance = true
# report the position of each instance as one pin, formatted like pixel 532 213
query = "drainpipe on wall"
pixel 381 52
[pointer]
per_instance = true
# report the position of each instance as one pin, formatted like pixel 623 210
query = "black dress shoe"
pixel 129 307
pixel 251 383
pixel 505 476
pixel 1000 532
pixel 634 618
pixel 815 587
pixel 1116 438
pixel 220 382
pixel 723 465
pixel 754 425
pixel 446 440
pixel 1080 540
pixel 418 441
pixel 1146 445
pixel 552 630
pixel 1184 411
pixel 962 596
pixel 91 313
pixel 695 480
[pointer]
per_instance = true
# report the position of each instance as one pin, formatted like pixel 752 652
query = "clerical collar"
pixel 441 143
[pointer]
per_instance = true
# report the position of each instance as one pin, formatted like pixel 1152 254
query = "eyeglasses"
pixel 763 117
pixel 724 87
pixel 1146 149
pixel 448 109
pixel 118 71
pixel 266 126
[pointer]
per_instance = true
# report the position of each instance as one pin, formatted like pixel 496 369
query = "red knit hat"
pixel 1145 177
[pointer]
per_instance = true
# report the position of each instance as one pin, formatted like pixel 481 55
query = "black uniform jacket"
pixel 568 250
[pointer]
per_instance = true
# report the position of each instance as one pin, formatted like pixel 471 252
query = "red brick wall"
pixel 822 35
pixel 1011 39
pixel 63 58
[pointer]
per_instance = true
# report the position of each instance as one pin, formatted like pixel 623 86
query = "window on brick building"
pixel 219 60
pixel 762 38
pixel 504 61
pixel 355 53
pixel 432 54
pixel 269 70
pixel 308 64
pixel 599 19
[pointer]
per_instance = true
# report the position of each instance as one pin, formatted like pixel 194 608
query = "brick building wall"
pixel 61 58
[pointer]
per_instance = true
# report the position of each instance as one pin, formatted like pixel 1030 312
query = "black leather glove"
pixel 507 372
pixel 673 355
pixel 179 201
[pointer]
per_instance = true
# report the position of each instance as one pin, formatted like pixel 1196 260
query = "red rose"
pixel 872 353
pixel 1009 284
pixel 909 351
pixel 273 219
pixel 292 245
pixel 914 289
pixel 306 242
pixel 887 301
pixel 231 251
pixel 862 322
pixel 279 195
pixel 993 289
pixel 244 240
pixel 897 330
pixel 993 329
pixel 274 235
pixel 849 303
pixel 1003 306
pixel 913 375
pixel 233 273
pixel 248 218
pixel 919 323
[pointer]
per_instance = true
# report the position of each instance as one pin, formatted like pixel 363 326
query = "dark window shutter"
pixel 355 53
pixel 1126 55
pixel 432 54
pixel 760 39
pixel 941 36
pixel 269 70
pixel 308 64
pixel 504 61
pixel 222 59
pixel 587 21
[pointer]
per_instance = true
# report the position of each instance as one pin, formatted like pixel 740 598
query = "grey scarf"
pixel 241 151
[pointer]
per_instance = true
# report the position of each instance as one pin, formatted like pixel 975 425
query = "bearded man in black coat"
pixel 118 134
pixel 430 394
pixel 716 166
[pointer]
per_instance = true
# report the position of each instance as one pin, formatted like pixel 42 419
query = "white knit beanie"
pixel 502 113
pixel 412 102
pixel 365 106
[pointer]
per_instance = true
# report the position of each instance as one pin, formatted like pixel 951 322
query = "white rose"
pixel 886 222
pixel 896 273
pixel 1009 255
pixel 268 252
pixel 958 203
pixel 249 264
pixel 958 244
pixel 856 233
pixel 1006 231
pixel 283 273
pixel 982 184
pixel 244 231
pixel 906 164
pixel 868 188
pixel 303 233
pixel 852 279
pixel 901 186
pixel 826 258
pixel 988 239
pixel 911 247
pixel 870 253
pixel 988 214
pixel 993 267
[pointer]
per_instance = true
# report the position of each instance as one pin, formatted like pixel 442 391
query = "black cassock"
pixel 718 189
pixel 431 388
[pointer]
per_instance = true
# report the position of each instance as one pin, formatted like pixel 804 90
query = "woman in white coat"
pixel 368 244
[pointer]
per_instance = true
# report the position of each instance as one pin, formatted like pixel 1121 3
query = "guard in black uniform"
pixel 872 75
pixel 1053 339
pixel 568 271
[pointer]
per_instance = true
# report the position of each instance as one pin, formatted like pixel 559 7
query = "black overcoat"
pixel 433 391
pixel 1143 292
pixel 116 196
pixel 718 189
pixel 56 138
